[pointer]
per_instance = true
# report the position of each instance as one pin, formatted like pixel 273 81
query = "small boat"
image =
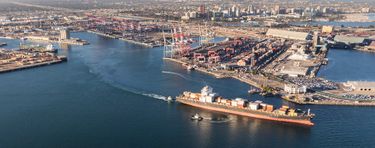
pixel 170 99
pixel 253 91
pixel 51 48
pixel 196 117
pixel 189 67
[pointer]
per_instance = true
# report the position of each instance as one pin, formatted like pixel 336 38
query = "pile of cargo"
pixel 285 110
pixel 259 105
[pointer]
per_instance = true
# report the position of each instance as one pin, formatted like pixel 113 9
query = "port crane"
pixel 179 45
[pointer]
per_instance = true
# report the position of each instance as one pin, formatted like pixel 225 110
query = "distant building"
pixel 294 70
pixel 361 87
pixel 64 34
pixel 349 40
pixel 365 10
pixel 288 34
pixel 202 9
pixel 327 29
pixel 242 62
pixel 294 89
pixel 298 56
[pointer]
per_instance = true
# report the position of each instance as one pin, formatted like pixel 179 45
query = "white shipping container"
pixel 193 95
pixel 209 99
pixel 242 102
pixel 254 106
pixel 213 94
pixel 186 93
pixel 202 99
pixel 234 103
pixel 258 101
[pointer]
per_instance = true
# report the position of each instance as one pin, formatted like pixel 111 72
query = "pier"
pixel 22 67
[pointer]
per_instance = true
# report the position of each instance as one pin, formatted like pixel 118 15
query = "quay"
pixel 103 34
pixel 123 39
pixel 332 103
pixel 56 61
pixel 138 43
pixel 68 41
pixel 216 75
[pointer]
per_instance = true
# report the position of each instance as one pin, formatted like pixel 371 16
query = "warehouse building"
pixel 294 71
pixel 349 40
pixel 295 89
pixel 361 87
pixel 289 34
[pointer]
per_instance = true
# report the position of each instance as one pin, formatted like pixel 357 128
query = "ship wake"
pixel 176 74
pixel 128 89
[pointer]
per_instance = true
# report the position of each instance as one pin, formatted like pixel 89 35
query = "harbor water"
pixel 112 94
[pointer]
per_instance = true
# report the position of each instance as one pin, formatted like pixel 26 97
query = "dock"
pixel 17 68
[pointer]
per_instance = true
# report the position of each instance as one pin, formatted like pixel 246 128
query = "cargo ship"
pixel 206 99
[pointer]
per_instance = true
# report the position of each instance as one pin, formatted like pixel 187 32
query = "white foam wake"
pixel 175 73
pixel 128 89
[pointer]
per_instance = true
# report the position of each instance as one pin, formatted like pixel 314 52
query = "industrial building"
pixel 288 34
pixel 294 71
pixel 64 34
pixel 360 87
pixel 294 89
pixel 349 40
pixel 327 29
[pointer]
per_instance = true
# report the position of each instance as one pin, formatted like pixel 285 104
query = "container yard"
pixel 28 57
pixel 269 63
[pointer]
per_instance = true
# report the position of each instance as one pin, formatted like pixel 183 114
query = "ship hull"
pixel 247 113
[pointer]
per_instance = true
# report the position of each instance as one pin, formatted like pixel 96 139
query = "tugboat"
pixel 253 91
pixel 190 67
pixel 196 117
pixel 170 99
pixel 51 48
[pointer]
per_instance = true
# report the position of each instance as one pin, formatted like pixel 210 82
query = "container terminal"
pixel 265 46
pixel 279 62
pixel 28 57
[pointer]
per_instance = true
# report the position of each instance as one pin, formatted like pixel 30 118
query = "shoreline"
pixel 366 104
pixel 123 39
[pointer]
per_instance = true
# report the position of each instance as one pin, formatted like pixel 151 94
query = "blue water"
pixel 109 94
pixel 345 65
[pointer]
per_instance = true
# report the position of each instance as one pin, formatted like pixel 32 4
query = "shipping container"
pixel 285 106
pixel 254 106
pixel 234 103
